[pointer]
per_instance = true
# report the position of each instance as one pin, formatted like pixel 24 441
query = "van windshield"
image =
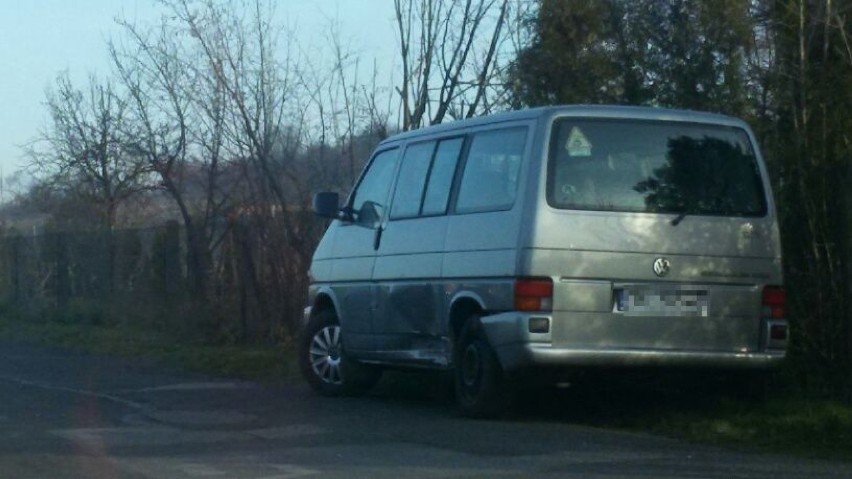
pixel 653 167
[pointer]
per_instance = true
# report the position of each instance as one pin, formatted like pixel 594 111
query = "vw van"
pixel 554 237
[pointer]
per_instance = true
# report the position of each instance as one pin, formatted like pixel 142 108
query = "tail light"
pixel 533 294
pixel 774 302
pixel 774 313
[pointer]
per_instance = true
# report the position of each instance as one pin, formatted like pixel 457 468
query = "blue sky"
pixel 40 38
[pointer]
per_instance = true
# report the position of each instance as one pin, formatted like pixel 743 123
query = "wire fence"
pixel 255 286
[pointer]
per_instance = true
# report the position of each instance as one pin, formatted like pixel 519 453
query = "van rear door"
pixel 658 234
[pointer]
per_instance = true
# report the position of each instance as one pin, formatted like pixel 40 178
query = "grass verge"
pixel 260 363
pixel 704 407
pixel 810 428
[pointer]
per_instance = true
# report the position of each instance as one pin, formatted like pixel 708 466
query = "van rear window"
pixel 653 167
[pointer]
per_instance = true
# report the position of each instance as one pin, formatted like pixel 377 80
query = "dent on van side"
pixel 568 236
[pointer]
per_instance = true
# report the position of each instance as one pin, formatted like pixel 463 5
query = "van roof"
pixel 594 111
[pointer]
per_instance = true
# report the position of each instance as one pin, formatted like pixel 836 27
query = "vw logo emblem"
pixel 662 267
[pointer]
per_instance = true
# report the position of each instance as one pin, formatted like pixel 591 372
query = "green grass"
pixel 812 428
pixel 702 407
pixel 261 363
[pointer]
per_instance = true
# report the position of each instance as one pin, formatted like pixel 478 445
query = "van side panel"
pixel 481 248
pixel 482 245
pixel 409 296
pixel 422 263
pixel 352 262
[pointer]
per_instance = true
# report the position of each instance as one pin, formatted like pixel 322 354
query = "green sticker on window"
pixel 578 144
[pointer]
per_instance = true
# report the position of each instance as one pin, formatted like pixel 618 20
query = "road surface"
pixel 68 414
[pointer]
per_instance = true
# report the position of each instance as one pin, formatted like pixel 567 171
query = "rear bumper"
pixel 519 355
pixel 517 348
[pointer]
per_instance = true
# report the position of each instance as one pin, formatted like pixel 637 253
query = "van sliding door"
pixel 408 263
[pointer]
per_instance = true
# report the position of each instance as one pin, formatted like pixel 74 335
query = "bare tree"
pixel 152 68
pixel 180 112
pixel 225 120
pixel 344 116
pixel 448 50
pixel 262 130
pixel 241 56
pixel 85 151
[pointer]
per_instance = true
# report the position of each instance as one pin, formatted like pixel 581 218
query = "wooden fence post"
pixel 18 266
pixel 63 283
pixel 171 258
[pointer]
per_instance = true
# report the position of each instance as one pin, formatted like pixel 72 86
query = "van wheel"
pixel 479 382
pixel 323 361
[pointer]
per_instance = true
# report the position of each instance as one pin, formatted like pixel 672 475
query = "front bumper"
pixel 306 316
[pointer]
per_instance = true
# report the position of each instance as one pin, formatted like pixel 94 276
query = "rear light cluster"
pixel 774 313
pixel 774 301
pixel 533 294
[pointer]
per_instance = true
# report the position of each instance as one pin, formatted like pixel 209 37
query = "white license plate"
pixel 662 301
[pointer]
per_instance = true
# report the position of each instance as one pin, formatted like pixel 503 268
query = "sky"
pixel 41 38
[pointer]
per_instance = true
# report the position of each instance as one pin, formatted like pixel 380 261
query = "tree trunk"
pixel 846 228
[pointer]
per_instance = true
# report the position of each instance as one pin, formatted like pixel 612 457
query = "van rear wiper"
pixel 677 219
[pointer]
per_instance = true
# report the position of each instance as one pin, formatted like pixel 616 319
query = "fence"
pixel 255 286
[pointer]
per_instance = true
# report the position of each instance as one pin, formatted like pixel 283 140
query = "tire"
pixel 478 378
pixel 323 361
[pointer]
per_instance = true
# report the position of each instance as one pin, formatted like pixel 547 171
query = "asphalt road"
pixel 66 415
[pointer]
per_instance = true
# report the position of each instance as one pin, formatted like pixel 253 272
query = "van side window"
pixel 490 180
pixel 368 200
pixel 412 179
pixel 441 176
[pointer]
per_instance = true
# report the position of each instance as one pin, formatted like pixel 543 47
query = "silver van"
pixel 565 236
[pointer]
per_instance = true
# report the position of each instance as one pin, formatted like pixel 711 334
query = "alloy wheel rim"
pixel 326 352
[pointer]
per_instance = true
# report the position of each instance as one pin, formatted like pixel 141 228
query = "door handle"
pixel 377 239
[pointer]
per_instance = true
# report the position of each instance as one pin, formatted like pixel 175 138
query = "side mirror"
pixel 327 204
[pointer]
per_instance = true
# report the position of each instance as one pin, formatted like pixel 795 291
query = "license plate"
pixel 662 301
